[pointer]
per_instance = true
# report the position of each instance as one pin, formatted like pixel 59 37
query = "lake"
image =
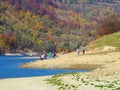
pixel 9 68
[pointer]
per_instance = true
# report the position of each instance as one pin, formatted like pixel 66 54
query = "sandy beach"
pixel 31 83
pixel 88 61
pixel 105 74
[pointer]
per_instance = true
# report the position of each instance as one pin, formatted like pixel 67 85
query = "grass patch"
pixel 108 40
pixel 117 88
pixel 56 81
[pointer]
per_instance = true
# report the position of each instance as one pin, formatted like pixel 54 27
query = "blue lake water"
pixel 9 68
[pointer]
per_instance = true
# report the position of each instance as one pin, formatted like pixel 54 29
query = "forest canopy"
pixel 50 25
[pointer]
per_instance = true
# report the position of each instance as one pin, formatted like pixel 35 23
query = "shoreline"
pixel 89 67
pixel 105 77
pixel 70 61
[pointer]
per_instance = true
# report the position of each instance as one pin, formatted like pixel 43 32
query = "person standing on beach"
pixel 50 54
pixel 42 56
pixel 45 55
pixel 78 51
pixel 54 54
pixel 83 49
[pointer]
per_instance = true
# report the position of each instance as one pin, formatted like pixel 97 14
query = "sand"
pixel 31 83
pixel 105 66
pixel 73 61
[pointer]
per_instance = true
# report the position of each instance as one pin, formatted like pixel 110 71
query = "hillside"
pixel 35 32
pixel 51 25
pixel 57 10
pixel 41 29
pixel 75 14
pixel 108 42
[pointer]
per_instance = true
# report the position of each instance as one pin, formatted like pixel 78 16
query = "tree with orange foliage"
pixel 110 25
pixel 7 42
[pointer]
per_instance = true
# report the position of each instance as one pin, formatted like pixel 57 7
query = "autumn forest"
pixel 55 25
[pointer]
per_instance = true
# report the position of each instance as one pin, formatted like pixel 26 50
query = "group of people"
pixel 83 50
pixel 45 55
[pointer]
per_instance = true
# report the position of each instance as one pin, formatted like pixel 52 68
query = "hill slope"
pixel 36 31
pixel 110 42
pixel 60 25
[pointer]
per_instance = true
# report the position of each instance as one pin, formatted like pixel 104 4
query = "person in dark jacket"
pixel 83 49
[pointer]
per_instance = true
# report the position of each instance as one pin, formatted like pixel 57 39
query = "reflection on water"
pixel 9 68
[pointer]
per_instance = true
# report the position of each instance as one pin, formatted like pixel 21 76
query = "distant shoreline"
pixel 21 54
